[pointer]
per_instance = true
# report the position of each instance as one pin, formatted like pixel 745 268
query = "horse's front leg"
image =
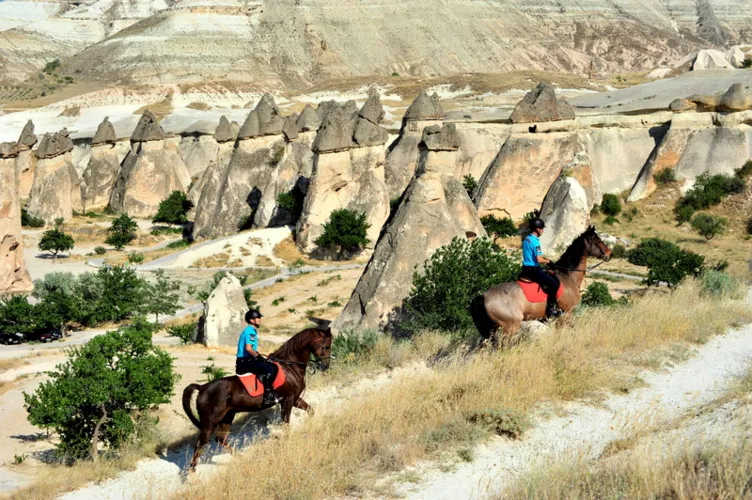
pixel 300 403
pixel 287 405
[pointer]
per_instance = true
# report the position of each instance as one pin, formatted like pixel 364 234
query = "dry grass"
pixel 216 260
pixel 71 111
pixel 418 416
pixel 290 254
pixel 201 106
pixel 160 109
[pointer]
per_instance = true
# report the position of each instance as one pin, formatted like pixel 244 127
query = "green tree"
pixel 17 315
pixel 498 228
pixel 708 191
pixel 709 226
pixel 162 295
pixel 469 184
pixel 597 295
pixel 345 231
pixel 96 395
pixel 610 205
pixel 28 220
pixel 122 231
pixel 673 268
pixel 55 240
pixel 183 332
pixel 453 276
pixel 651 250
pixel 123 294
pixel 173 209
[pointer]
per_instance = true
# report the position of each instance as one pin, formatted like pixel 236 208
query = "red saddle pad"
pixel 256 388
pixel 534 293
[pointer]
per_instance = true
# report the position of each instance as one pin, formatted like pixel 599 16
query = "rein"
pixel 586 270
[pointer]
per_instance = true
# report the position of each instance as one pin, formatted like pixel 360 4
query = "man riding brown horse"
pixel 532 261
pixel 250 361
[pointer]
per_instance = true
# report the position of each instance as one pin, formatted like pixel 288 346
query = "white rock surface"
pixel 224 314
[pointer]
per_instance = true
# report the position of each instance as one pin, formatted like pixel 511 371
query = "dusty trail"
pixel 586 430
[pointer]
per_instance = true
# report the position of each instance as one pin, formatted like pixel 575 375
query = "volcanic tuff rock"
pixel 566 212
pixel 56 189
pixel 402 156
pixel 444 138
pixel 290 127
pixel 736 57
pixel 224 314
pixel 224 131
pixel 99 178
pixel 736 98
pixel 148 129
pixel 197 153
pixel 263 120
pixel 346 173
pixel 14 277
pixel 541 105
pixel 105 133
pixel 309 119
pixel 710 59
pixel 434 209
pixel 27 139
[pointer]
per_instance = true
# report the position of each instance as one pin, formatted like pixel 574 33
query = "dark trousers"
pixel 548 282
pixel 259 366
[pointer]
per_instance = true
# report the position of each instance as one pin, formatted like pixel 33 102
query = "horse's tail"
pixel 187 393
pixel 480 317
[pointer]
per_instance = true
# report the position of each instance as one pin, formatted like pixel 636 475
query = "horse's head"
pixel 595 245
pixel 322 347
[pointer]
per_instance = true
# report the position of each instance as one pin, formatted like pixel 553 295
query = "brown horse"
pixel 220 400
pixel 505 306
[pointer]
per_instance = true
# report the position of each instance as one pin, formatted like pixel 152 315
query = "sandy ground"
pixel 586 430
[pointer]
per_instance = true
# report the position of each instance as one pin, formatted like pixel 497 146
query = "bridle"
pixel 589 244
pixel 311 367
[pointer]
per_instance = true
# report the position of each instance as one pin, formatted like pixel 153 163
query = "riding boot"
pixel 270 395
pixel 552 310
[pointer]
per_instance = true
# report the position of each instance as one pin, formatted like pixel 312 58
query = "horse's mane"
pixel 295 343
pixel 571 258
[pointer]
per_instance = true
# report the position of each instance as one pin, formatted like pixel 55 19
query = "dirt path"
pixel 586 430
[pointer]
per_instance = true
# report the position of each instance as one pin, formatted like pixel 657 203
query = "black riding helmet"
pixel 252 314
pixel 537 224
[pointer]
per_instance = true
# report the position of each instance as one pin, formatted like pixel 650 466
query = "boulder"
pixel 566 212
pixel 14 277
pixel 290 128
pixel 682 105
pixel 8 150
pixel 372 110
pixel 541 105
pixel 148 129
pixel 425 108
pixel 224 314
pixel 434 209
pixel 224 131
pixel 736 98
pixel 444 138
pixel 56 189
pixel 250 127
pixel 54 145
pixel 270 121
pixel 151 171
pixel 337 129
pixel 105 133
pixel 736 57
pixel 27 139
pixel 99 178
pixel 309 120
pixel 710 59
pixel 367 134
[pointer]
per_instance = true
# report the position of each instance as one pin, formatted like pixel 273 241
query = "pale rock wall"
pixel 402 156
pixel 99 178
pixel 26 164
pixel 56 191
pixel 14 277
pixel 224 314
pixel 197 153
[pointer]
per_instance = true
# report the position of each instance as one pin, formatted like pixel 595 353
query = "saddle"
pixel 533 291
pixel 255 388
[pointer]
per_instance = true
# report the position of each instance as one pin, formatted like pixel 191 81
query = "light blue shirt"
pixel 249 336
pixel 530 251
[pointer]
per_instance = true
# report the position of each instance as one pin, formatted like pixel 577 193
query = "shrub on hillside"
pixel 173 209
pixel 610 205
pixel 498 228
pixel 745 170
pixel 709 226
pixel 619 251
pixel 665 177
pixel 183 332
pixel 708 191
pixel 96 396
pixel 597 295
pixel 650 250
pixel 136 257
pixel 344 232
pixel 470 184
pixel 453 276
pixel 352 344
pixel 122 231
pixel 718 283
pixel 100 250
pixel 28 220
pixel 673 268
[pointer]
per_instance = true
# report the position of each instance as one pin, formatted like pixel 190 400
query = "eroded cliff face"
pixel 298 42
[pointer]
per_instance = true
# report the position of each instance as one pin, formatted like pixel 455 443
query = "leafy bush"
pixel 352 344
pixel 95 396
pixel 610 220
pixel 159 231
pixel 683 213
pixel 55 241
pixel 135 257
pixel 122 231
pixel 17 315
pixel 665 177
pixel 610 205
pixel 709 226
pixel 745 170
pixel 28 220
pixel 52 66
pixel 345 231
pixel 179 244
pixel 173 209
pixel 286 201
pixel 708 191
pixel 619 251
pixel 292 203
pixel 673 268
pixel 650 250
pixel 597 295
pixel 99 250
pixel 162 297
pixel 499 228
pixel 470 184
pixel 183 332
pixel 213 372
pixel 500 421
pixel 718 283
pixel 453 276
